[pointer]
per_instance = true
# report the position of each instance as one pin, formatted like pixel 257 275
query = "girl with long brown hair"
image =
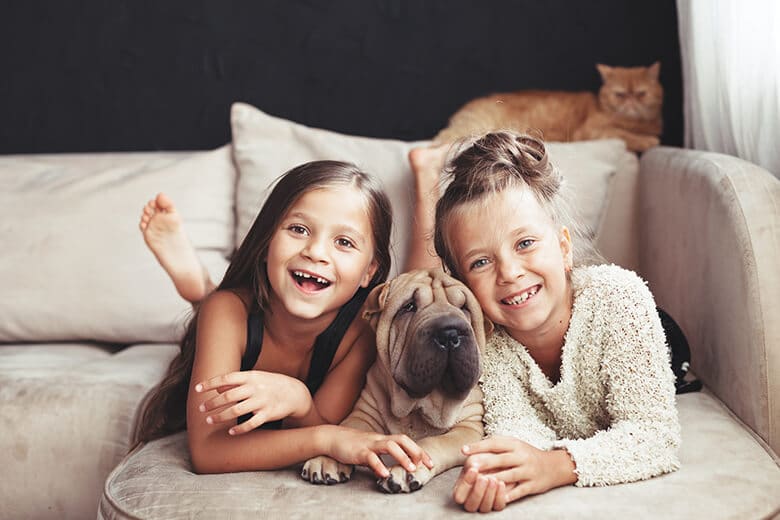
pixel 290 293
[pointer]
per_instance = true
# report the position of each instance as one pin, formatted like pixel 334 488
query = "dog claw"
pixel 343 477
pixel 315 478
pixel 412 482
pixel 330 480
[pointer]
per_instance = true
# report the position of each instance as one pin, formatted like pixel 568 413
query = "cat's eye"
pixel 640 94
pixel 620 95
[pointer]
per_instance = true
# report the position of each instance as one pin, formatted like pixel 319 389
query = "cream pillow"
pixel 264 147
pixel 74 264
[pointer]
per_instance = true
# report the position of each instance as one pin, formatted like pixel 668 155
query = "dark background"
pixel 115 75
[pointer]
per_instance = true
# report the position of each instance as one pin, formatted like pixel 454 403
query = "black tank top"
pixel 325 347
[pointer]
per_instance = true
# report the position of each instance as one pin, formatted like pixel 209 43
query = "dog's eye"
pixel 410 306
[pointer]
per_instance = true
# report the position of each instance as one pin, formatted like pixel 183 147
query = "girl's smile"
pixel 310 282
pixel 522 298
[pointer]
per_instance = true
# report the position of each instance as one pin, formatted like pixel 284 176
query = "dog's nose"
pixel 447 338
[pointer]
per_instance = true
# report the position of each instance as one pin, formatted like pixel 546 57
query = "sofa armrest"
pixel 709 227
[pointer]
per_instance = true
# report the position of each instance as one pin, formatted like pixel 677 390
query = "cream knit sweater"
pixel 613 409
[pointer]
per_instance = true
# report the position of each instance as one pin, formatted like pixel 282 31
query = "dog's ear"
pixel 375 302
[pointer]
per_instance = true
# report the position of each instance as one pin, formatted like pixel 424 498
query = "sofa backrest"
pixel 75 266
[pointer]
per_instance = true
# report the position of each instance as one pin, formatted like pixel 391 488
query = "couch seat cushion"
pixel 66 412
pixel 725 474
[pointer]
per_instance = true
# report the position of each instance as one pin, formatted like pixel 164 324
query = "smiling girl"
pixel 274 358
pixel 577 383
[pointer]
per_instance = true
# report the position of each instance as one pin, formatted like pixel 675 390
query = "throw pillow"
pixel 74 264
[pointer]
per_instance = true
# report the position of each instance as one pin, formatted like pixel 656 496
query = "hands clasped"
pixel 267 395
pixel 499 470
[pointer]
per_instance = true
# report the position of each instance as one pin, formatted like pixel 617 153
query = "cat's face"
pixel 632 92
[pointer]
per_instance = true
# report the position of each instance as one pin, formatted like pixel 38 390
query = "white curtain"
pixel 731 77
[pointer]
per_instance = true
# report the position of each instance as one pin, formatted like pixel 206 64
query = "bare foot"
pixel 161 226
pixel 427 164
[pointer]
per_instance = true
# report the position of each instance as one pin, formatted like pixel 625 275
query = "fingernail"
pixel 465 449
pixel 199 387
pixel 412 467
pixel 202 408
pixel 231 431
pixel 209 420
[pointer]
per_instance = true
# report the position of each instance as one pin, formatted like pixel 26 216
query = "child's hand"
pixel 483 493
pixel 350 446
pixel 525 470
pixel 267 395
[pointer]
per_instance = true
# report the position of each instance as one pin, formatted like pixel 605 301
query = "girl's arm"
pixel 342 385
pixel 220 344
pixel 644 432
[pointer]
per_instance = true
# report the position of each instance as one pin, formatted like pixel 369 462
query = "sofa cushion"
pixel 67 413
pixel 264 147
pixel 74 264
pixel 725 474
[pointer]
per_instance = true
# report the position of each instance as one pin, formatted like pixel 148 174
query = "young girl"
pixel 576 377
pixel 276 346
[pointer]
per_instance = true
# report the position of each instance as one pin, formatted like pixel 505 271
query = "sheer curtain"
pixel 731 77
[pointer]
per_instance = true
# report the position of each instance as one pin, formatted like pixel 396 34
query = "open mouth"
pixel 310 282
pixel 523 297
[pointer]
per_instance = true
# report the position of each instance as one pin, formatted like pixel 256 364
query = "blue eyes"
pixel 479 263
pixel 521 246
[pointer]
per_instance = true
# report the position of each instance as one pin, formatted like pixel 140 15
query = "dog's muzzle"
pixel 443 353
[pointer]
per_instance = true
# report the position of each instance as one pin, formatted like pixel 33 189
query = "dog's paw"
pixel 324 470
pixel 402 481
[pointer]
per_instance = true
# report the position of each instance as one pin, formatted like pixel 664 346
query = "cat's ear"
pixel 605 71
pixel 653 70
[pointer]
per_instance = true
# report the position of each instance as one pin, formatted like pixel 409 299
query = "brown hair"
pixel 494 162
pixel 164 410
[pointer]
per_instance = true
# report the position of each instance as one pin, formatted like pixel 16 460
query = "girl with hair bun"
pixel 577 383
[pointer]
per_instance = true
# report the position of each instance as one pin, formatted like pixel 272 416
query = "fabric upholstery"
pixel 66 416
pixel 721 465
pixel 74 264
pixel 266 146
pixel 709 250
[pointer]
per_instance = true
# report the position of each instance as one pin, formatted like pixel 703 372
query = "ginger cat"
pixel 628 107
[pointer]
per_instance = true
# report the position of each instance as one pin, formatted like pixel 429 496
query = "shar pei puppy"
pixel 429 335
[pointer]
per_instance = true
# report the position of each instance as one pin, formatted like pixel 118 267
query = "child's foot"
pixel 427 164
pixel 163 233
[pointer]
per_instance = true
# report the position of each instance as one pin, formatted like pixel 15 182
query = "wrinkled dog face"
pixel 426 333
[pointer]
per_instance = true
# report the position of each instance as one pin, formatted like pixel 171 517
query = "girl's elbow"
pixel 203 458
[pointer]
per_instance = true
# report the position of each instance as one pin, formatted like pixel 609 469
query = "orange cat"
pixel 628 107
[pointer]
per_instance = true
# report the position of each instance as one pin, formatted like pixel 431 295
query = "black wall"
pixel 111 75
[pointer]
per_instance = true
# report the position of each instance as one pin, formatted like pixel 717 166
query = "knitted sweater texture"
pixel 613 408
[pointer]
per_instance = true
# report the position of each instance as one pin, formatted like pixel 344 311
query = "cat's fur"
pixel 628 106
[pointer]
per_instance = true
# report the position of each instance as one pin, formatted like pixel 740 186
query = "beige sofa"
pixel 88 324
